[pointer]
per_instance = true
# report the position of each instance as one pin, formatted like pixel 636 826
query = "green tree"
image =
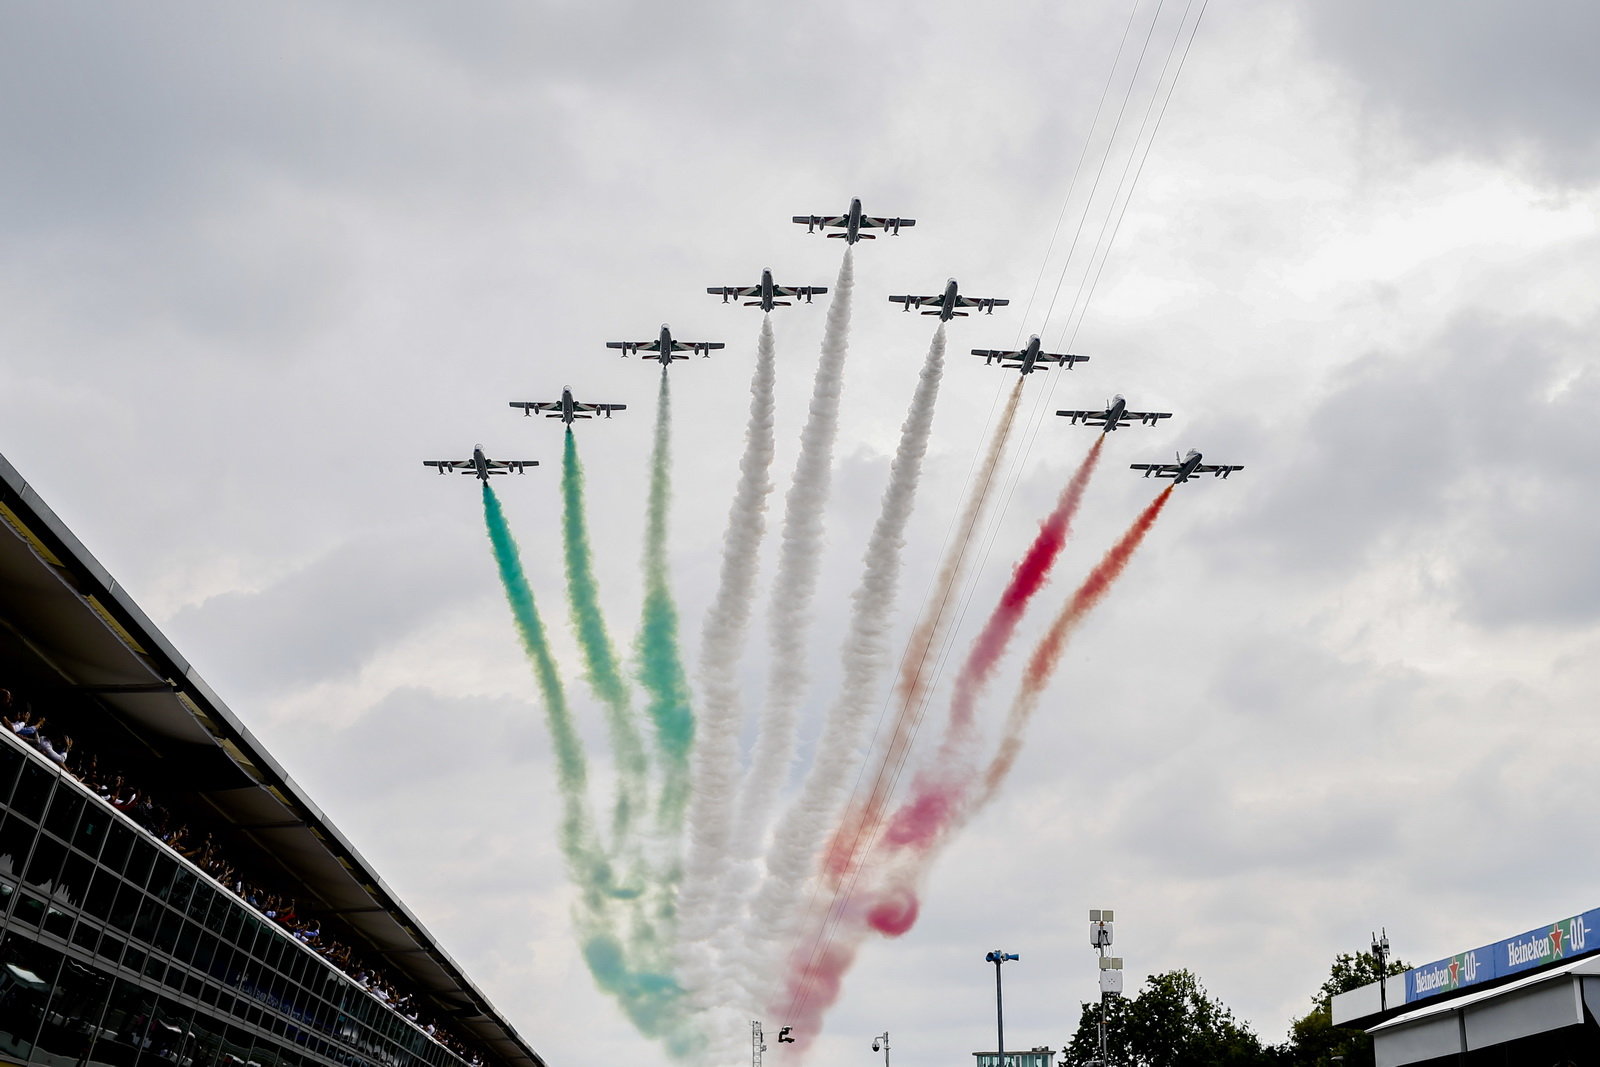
pixel 1313 1039
pixel 1172 1022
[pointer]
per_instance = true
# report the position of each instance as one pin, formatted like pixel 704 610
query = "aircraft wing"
pixel 734 290
pixel 630 347
pixel 501 466
pixel 1159 470
pixel 916 301
pixel 822 220
pixel 702 347
pixel 991 354
pixel 1149 418
pixel 885 224
pixel 604 409
pixel 1217 470
pixel 982 302
pixel 807 291
pixel 528 406
pixel 1065 359
pixel 1088 418
pixel 449 464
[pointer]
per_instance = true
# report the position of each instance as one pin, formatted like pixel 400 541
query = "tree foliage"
pixel 1172 1022
pixel 1313 1039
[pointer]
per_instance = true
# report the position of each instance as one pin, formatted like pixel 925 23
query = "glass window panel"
pixel 29 909
pixel 65 807
pixel 133 958
pixel 148 921
pixel 203 900
pixel 167 927
pixel 162 875
pixel 102 892
pixel 183 883
pixel 183 946
pixel 16 841
pixel 220 913
pixel 33 790
pixel 10 762
pixel 118 840
pixel 140 858
pixel 73 888
pixel 45 863
pixel 56 920
pixel 126 909
pixel 91 831
pixel 154 967
pixel 86 936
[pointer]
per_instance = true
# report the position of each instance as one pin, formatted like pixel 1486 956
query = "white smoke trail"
pixel 793 588
pixel 714 773
pixel 777 912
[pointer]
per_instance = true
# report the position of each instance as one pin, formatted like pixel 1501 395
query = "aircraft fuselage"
pixel 480 462
pixel 947 304
pixel 1185 472
pixel 852 231
pixel 1114 413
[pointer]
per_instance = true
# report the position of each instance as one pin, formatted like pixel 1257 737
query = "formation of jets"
pixel 665 348
pixel 768 295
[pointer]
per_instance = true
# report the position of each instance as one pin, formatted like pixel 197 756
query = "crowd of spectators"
pixel 203 851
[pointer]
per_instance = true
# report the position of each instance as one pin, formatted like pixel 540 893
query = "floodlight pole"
pixel 1100 923
pixel 997 957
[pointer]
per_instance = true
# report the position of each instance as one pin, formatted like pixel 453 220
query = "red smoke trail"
pixel 890 906
pixel 1028 578
pixel 939 790
pixel 1048 653
pixel 861 822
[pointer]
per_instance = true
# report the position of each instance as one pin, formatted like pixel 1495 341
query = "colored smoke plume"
pixel 599 655
pixel 861 823
pixel 660 662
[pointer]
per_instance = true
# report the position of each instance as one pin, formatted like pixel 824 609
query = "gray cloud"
pixel 1472 445
pixel 1510 83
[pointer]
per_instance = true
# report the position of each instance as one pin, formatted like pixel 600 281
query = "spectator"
pixel 52 753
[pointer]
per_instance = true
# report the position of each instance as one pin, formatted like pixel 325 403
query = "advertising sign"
pixel 1547 944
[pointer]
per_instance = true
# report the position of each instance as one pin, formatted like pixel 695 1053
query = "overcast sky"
pixel 257 262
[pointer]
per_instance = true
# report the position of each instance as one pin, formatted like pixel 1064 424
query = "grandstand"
pixel 122 945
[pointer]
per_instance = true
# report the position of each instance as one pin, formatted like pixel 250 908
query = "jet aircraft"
pixel 853 222
pixel 1187 466
pixel 1029 359
pixel 1116 413
pixel 566 409
pixel 665 348
pixel 481 465
pixel 767 292
pixel 945 304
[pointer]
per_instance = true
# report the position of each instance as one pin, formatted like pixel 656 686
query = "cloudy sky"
pixel 257 263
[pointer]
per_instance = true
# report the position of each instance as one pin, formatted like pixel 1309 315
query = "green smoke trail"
pixel 660 663
pixel 599 656
pixel 636 976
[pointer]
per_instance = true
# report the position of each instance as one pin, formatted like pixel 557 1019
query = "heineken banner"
pixel 1548 944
